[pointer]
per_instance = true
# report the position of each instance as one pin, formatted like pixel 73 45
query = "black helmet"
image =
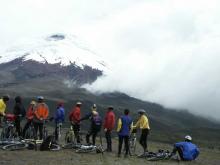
pixel 5 97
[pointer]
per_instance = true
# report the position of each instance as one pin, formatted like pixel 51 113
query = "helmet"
pixel 60 103
pixel 33 102
pixel 18 99
pixel 78 103
pixel 5 97
pixel 94 106
pixel 40 98
pixel 111 107
pixel 140 111
pixel 189 138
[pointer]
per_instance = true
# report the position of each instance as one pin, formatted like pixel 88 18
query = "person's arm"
pixel 119 125
pixel 131 128
pixel 86 117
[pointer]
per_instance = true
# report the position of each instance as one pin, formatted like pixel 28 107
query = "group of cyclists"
pixel 38 112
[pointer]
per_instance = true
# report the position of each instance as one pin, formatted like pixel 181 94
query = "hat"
pixel 78 103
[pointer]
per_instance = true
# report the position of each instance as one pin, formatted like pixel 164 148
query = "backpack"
pixel 46 144
pixel 97 120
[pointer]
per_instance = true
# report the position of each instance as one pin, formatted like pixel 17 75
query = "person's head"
pixel 5 98
pixel 126 111
pixel 110 108
pixel 141 111
pixel 188 138
pixel 18 99
pixel 33 103
pixel 78 104
pixel 60 104
pixel 40 99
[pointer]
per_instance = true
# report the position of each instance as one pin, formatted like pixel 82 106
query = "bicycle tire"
pixel 14 147
pixel 69 137
pixel 55 147
pixel 82 150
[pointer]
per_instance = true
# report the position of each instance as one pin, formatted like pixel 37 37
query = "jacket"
pixel 30 113
pixel 109 121
pixel 41 112
pixel 75 115
pixel 19 109
pixel 190 150
pixel 2 107
pixel 142 123
pixel 60 115
pixel 124 125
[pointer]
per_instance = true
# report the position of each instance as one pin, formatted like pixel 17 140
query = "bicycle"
pixel 30 132
pixel 90 148
pixel 58 130
pixel 160 155
pixel 132 142
pixel 8 131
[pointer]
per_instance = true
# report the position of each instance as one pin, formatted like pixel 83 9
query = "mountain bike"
pixel 58 131
pixel 90 148
pixel 160 155
pixel 132 142
pixel 30 132
pixel 8 131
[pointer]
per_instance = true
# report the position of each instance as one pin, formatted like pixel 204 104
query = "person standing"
pixel 109 124
pixel 143 124
pixel 96 124
pixel 19 112
pixel 59 118
pixel 29 116
pixel 41 112
pixel 74 118
pixel 124 128
pixel 3 102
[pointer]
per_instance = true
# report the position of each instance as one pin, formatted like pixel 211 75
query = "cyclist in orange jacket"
pixel 41 112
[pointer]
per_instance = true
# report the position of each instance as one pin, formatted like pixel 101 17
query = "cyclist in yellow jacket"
pixel 143 124
pixel 3 102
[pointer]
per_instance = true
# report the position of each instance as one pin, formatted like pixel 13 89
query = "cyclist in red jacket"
pixel 74 118
pixel 109 124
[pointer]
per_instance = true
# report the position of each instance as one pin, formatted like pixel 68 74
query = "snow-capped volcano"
pixel 53 49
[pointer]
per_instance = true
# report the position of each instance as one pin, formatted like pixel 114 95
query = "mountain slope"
pixel 55 49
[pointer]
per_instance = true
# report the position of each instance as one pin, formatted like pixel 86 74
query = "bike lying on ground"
pixel 155 156
pixel 90 148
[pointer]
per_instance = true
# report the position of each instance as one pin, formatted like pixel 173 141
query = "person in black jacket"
pixel 19 112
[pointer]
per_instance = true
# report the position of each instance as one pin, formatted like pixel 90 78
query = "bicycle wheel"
pixel 13 147
pixel 132 146
pixel 55 147
pixel 83 150
pixel 69 137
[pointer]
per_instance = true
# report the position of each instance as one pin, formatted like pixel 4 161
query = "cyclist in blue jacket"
pixel 59 117
pixel 187 150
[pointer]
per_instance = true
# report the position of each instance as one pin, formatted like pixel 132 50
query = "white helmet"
pixel 78 103
pixel 189 138
pixel 141 111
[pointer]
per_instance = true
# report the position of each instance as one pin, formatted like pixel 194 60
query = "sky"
pixel 163 51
